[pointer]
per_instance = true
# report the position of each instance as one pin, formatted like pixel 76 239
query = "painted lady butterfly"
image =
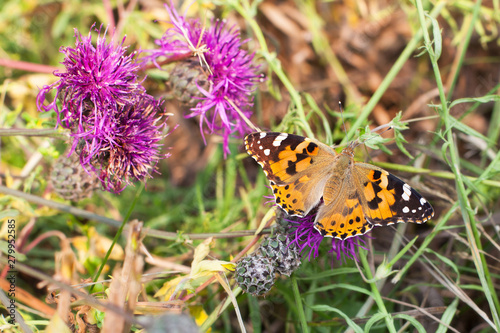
pixel 356 196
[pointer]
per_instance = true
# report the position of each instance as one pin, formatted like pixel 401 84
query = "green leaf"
pixel 327 308
pixel 372 140
pixel 255 316
pixel 4 248
pixel 9 213
pixel 397 123
pixel 413 321
pixel 448 316
pixel 373 320
pixel 438 40
pixel 447 262
pixel 400 139
pixel 482 99
pixel 341 286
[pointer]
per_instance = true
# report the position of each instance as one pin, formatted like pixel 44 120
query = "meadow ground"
pixel 162 255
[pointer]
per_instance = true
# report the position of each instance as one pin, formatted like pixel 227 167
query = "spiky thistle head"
pixel 113 122
pixel 282 252
pixel 255 274
pixel 225 101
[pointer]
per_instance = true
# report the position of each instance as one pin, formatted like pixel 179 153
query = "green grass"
pixel 451 260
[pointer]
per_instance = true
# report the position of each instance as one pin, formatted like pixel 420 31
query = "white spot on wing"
pixel 413 211
pixel 267 152
pixel 260 147
pixel 262 135
pixel 279 138
pixel 405 197
pixel 423 201
pixel 407 189
pixel 406 209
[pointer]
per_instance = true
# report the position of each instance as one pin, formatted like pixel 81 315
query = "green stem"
pixel 33 132
pixel 440 174
pixel 218 310
pixel 160 234
pixel 405 55
pixel 274 64
pixel 298 302
pixel 467 211
pixel 463 49
pixel 322 46
pixel 377 297
pixel 118 235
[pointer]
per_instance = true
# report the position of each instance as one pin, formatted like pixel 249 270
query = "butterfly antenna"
pixel 387 127
pixel 352 144
pixel 342 116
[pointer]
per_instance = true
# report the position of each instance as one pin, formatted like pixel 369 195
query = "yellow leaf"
pixel 201 252
pixel 199 315
pixel 174 286
pixel 231 266
pixel 199 280
pixel 206 267
pixel 271 213
pixel 95 245
pixel 102 245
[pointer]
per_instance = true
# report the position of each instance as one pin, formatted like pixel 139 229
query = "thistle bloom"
pixel 112 120
pixel 95 79
pixel 131 149
pixel 230 72
pixel 304 234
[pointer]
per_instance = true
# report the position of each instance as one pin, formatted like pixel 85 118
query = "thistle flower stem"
pixel 33 132
pixel 298 302
pixel 248 14
pixel 160 234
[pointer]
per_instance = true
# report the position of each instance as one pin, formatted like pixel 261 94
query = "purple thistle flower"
pixel 112 120
pixel 232 76
pixel 95 78
pixel 129 148
pixel 305 236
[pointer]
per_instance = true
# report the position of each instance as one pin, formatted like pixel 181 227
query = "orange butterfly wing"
pixel 356 196
pixel 297 168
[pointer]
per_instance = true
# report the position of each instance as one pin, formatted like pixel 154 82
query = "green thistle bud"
pixel 282 252
pixel 70 180
pixel 185 79
pixel 255 274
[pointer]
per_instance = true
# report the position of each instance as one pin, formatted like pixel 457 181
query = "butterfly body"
pixel 352 196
